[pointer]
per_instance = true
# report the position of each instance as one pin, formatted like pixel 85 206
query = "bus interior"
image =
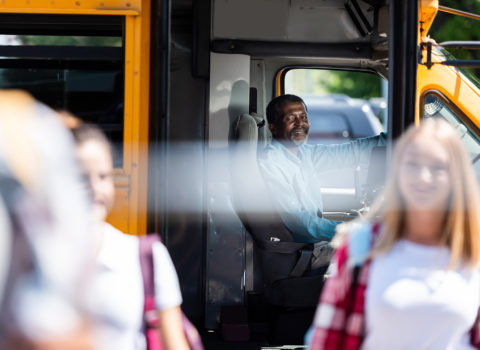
pixel 176 85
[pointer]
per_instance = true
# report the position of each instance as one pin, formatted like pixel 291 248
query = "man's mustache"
pixel 293 131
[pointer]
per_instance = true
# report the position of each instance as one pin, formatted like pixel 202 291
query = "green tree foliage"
pixel 324 81
pixel 355 84
pixel 448 27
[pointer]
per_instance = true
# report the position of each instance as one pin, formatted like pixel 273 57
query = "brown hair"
pixel 83 132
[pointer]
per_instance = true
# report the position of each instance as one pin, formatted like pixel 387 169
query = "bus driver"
pixel 290 166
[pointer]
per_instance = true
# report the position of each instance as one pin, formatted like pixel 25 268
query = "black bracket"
pixel 428 47
pixel 466 45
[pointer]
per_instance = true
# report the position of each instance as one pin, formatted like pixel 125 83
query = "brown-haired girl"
pixel 117 295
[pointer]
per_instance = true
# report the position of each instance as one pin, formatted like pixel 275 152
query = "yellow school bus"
pixel 166 81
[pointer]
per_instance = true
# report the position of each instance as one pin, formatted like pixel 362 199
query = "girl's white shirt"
pixel 116 297
pixel 414 302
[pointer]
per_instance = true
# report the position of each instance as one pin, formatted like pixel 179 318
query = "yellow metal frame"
pixel 132 178
pixel 446 80
pixel 450 83
pixel 278 83
pixel 76 7
pixel 427 10
pixel 137 61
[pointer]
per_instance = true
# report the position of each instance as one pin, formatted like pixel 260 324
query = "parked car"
pixel 379 108
pixel 338 121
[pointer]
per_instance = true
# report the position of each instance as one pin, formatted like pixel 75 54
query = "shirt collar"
pixel 280 147
pixel 107 254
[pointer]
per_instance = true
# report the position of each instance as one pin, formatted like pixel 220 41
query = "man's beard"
pixel 299 142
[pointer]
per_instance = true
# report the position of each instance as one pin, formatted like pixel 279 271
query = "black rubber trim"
pixel 295 49
pixel 355 20
pixel 461 63
pixel 362 17
pixel 63 52
pixel 40 24
pixel 467 45
pixel 62 64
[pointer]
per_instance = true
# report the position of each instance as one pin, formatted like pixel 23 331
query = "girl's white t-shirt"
pixel 414 302
pixel 117 290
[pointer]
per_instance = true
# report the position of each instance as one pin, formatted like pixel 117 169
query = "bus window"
pixel 351 100
pixel 436 107
pixel 342 106
pixel 79 69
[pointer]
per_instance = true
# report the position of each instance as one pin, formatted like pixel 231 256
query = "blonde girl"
pixel 407 276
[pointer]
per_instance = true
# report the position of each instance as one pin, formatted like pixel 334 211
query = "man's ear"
pixel 272 128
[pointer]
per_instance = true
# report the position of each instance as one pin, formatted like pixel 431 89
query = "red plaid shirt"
pixel 339 322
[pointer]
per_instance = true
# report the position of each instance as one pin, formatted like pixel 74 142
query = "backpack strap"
pixel 146 264
pixel 150 313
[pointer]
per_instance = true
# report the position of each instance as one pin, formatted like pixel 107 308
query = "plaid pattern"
pixel 339 321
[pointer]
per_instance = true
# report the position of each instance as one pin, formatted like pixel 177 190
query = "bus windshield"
pixel 469 73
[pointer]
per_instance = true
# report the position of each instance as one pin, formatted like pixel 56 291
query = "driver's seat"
pixel 285 265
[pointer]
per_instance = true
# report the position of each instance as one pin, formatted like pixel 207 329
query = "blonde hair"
pixel 461 233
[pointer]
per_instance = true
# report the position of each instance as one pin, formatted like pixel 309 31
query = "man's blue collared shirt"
pixel 294 185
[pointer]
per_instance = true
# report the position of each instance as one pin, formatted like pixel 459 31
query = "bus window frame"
pixel 453 107
pixel 279 81
pixel 130 180
pixel 85 7
pixel 66 57
pixel 473 132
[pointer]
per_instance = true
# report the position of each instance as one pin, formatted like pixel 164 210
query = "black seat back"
pixel 251 198
pixel 281 259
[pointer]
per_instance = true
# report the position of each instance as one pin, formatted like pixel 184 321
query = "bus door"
pixel 248 66
pixel 90 58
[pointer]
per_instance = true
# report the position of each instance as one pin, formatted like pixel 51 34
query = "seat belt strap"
pixel 302 263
